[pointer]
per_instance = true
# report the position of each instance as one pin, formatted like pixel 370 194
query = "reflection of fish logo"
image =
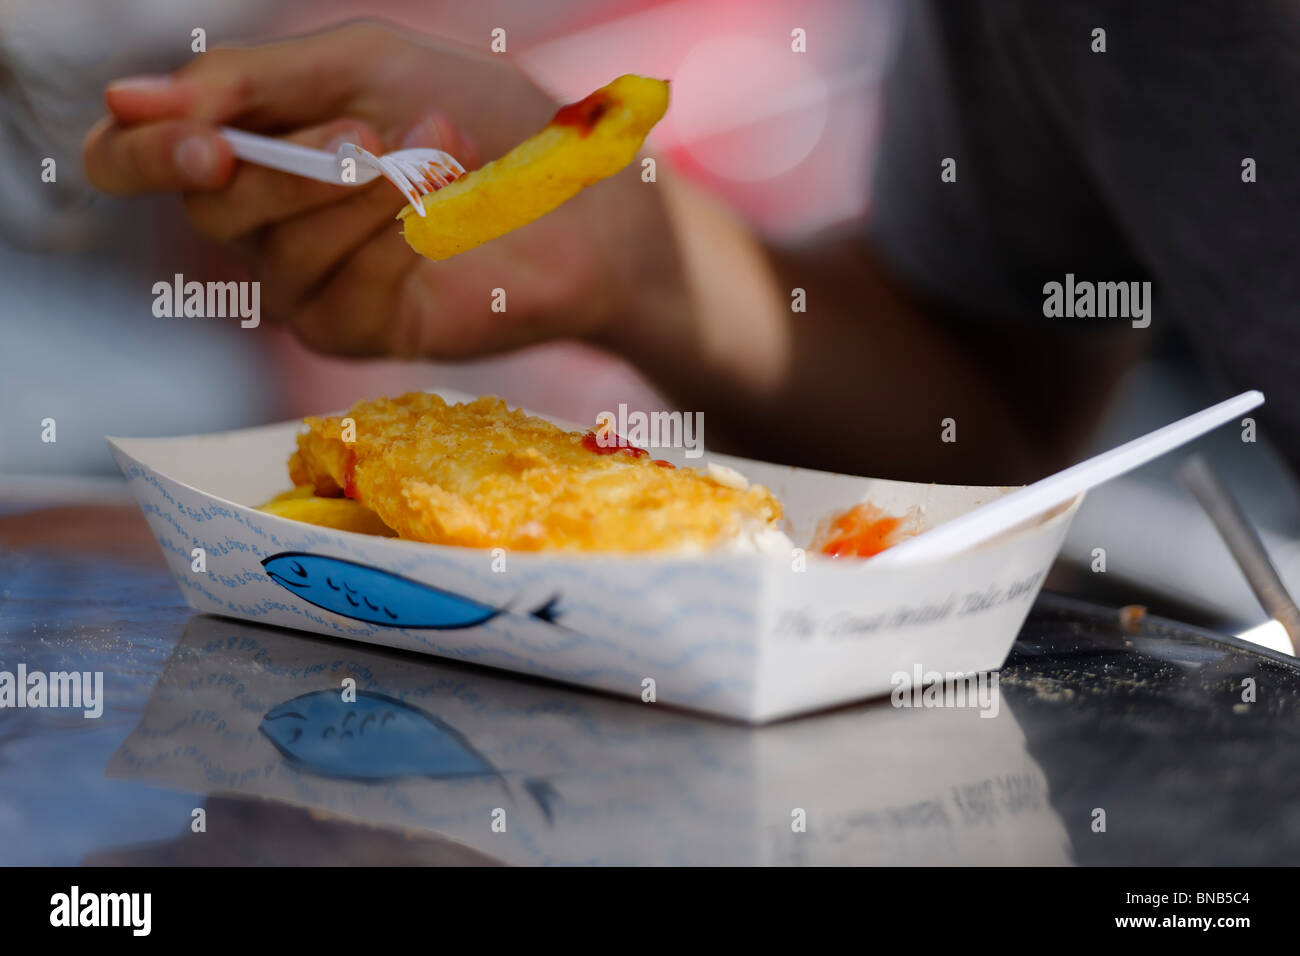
pixel 374 738
pixel 369 594
pixel 545 795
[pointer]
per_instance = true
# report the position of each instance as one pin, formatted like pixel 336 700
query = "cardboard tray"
pixel 749 637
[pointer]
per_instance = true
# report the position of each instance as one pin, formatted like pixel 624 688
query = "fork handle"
pixel 288 157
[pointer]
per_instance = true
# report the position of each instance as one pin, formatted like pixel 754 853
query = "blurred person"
pixel 1117 166
pixel 76 269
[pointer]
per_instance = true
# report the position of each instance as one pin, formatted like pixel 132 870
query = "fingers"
pixel 256 197
pixel 292 83
pixel 300 255
pixel 164 156
pixel 386 300
pixel 160 135
pixel 140 99
pixel 356 310
pixel 297 256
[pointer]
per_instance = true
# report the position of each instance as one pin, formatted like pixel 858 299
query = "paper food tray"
pixel 750 637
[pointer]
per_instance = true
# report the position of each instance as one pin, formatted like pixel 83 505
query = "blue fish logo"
pixel 375 596
pixel 374 738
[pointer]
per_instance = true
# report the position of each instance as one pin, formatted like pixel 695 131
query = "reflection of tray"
pixel 578 778
pixel 750 637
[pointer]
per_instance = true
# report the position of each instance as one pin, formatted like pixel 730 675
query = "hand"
pixel 661 274
pixel 331 260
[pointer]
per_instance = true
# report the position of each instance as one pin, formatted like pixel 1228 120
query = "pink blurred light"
pixel 728 89
pixel 783 136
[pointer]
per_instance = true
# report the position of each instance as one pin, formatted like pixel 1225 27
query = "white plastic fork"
pixel 415 172
pixel 1014 508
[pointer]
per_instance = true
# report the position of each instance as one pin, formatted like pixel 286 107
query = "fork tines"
pixel 415 177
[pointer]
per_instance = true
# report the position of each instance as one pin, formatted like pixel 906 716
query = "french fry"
pixel 343 514
pixel 297 491
pixel 586 142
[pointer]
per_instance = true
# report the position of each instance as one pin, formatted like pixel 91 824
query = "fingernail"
pixel 142 84
pixel 196 157
pixel 352 136
pixel 423 133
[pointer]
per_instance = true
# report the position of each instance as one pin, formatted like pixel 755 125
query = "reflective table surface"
pixel 227 743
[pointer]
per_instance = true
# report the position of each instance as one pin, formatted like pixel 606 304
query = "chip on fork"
pixel 415 172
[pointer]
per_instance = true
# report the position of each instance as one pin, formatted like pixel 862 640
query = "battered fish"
pixel 482 475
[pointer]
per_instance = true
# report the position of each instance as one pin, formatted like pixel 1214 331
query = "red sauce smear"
pixel 350 476
pixel 592 444
pixel 664 464
pixel 860 532
pixel 585 113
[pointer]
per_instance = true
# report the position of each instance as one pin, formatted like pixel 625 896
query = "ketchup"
pixel 585 113
pixel 861 532
pixel 592 444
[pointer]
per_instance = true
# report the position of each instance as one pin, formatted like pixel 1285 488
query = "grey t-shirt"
pixel 1125 165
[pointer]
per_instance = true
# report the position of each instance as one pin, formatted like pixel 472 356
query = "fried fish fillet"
pixel 482 475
